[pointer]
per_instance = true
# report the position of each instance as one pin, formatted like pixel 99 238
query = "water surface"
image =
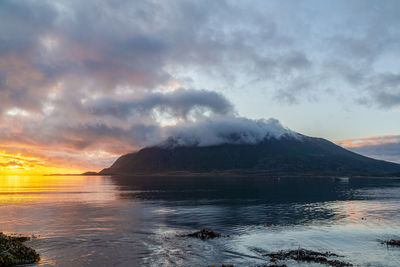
pixel 136 221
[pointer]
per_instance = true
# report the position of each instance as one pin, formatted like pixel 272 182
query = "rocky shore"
pixel 14 252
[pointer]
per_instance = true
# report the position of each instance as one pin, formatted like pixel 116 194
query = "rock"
pixel 392 242
pixel 204 234
pixel 268 224
pixel 13 251
pixel 272 265
pixel 19 238
pixel 308 256
pixel 264 265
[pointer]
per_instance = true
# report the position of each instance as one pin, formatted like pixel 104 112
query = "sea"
pixel 142 221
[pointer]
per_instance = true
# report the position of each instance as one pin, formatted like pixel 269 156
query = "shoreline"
pixel 249 174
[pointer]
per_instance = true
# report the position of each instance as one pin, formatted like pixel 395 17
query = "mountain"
pixel 285 155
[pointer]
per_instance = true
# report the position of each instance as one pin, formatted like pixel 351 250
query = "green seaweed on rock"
pixel 14 252
pixel 392 242
pixel 309 256
pixel 204 234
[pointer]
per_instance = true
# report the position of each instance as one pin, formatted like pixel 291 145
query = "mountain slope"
pixel 287 154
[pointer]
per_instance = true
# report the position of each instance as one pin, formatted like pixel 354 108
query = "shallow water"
pixel 135 221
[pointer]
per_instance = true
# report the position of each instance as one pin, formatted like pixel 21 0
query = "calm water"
pixel 134 221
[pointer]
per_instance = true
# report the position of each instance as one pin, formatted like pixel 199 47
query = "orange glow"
pixel 18 164
pixel 20 189
pixel 369 141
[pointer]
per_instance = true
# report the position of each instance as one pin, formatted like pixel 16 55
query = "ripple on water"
pixel 118 221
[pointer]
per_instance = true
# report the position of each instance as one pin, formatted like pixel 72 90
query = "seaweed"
pixel 268 224
pixel 392 242
pixel 308 256
pixel 264 265
pixel 204 234
pixel 272 265
pixel 13 251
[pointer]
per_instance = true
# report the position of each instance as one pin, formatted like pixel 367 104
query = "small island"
pixel 292 155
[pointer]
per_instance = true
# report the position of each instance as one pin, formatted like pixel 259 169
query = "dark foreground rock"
pixel 14 252
pixel 264 265
pixel 272 265
pixel 269 224
pixel 392 242
pixel 305 255
pixel 204 234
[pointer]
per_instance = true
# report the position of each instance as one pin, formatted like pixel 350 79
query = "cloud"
pixel 151 44
pixel 388 152
pixel 141 47
pixel 177 103
pixel 369 141
pixel 378 147
pixel 113 126
pixel 109 80
pixel 233 130
pixel 203 131
pixel 108 77
pixel 385 89
pixel 56 140
pixel 10 163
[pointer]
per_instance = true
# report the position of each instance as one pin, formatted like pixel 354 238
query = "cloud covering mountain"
pixel 227 130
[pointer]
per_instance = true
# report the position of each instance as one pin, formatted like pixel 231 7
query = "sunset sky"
pixel 82 82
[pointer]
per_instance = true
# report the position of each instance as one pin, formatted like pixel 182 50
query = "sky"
pixel 82 82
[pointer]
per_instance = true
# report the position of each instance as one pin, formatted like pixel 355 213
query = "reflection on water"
pixel 17 189
pixel 99 221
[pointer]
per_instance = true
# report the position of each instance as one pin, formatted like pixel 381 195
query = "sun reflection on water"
pixel 17 189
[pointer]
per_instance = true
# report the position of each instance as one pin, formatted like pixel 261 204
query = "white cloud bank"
pixel 233 130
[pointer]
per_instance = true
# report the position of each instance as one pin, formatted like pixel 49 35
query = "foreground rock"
pixel 272 265
pixel 204 234
pixel 392 242
pixel 264 265
pixel 305 255
pixel 14 252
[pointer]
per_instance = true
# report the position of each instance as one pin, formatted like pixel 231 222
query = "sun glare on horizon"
pixel 18 164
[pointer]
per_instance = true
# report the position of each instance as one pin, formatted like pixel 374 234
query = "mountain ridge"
pixel 284 155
